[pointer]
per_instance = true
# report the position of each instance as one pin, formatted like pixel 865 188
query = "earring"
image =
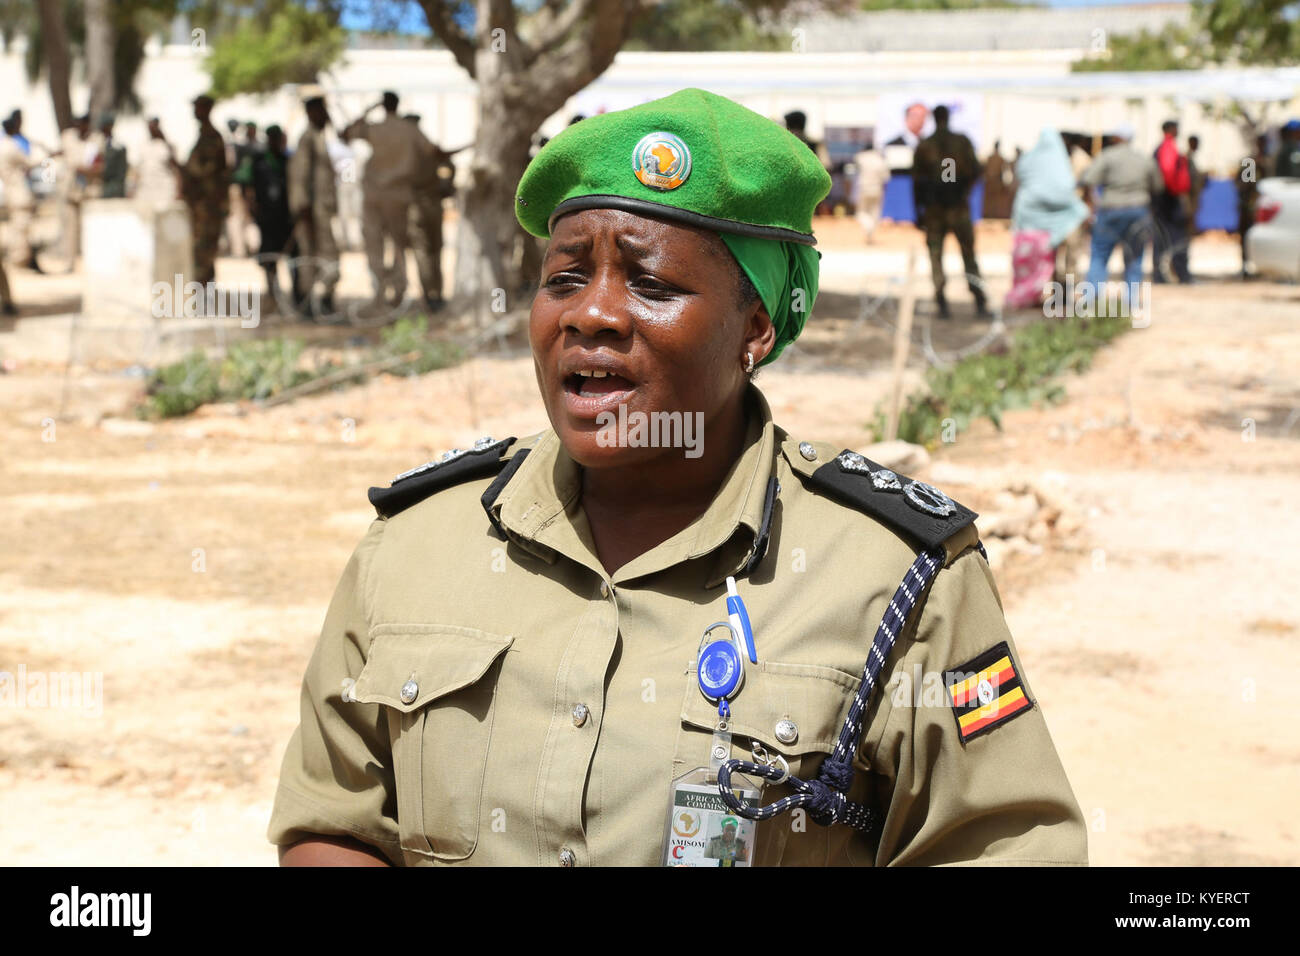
pixel 749 361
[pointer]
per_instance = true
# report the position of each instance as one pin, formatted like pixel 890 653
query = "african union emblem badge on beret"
pixel 661 161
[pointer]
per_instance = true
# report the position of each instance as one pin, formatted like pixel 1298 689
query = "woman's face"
pixel 652 305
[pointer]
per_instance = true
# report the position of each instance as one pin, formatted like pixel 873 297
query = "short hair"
pixel 274 130
pixel 940 113
pixel 390 101
pixel 1169 126
pixel 796 119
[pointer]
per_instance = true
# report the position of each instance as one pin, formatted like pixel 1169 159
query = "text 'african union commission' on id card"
pixel 702 829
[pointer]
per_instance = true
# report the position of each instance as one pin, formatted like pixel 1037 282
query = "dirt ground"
pixel 190 562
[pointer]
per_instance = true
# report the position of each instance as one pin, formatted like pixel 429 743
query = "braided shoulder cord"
pixel 825 797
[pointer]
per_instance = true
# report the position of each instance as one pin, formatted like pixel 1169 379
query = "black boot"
pixel 942 303
pixel 981 304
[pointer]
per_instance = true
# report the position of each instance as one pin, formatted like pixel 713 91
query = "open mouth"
pixel 593 384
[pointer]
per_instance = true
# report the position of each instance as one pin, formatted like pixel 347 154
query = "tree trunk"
pixel 488 231
pixel 57 60
pixel 520 83
pixel 99 57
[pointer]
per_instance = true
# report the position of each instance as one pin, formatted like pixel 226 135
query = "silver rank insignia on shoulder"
pixel 481 444
pixel 918 494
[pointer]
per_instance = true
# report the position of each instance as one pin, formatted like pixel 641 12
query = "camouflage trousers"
pixel 937 222
pixel 426 243
pixel 206 224
pixel 318 253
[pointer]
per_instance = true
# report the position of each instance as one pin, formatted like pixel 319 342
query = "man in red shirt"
pixel 1169 208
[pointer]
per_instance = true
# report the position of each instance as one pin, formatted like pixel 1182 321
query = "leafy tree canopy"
pixel 1237 32
pixel 291 44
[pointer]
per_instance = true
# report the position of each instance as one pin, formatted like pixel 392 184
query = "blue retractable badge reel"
pixel 721 667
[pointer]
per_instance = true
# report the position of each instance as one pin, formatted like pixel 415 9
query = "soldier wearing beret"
pixel 510 671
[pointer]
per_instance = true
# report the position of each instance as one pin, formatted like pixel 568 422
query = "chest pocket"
pixel 437 685
pixel 776 699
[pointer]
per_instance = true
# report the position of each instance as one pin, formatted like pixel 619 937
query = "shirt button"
pixel 410 690
pixel 807 450
pixel 580 713
pixel 567 857
pixel 787 731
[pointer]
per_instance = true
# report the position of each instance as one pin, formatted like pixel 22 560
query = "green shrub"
pixel 986 385
pixel 180 388
pixel 412 335
pixel 262 368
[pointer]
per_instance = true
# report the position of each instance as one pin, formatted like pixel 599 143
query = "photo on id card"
pixel 702 830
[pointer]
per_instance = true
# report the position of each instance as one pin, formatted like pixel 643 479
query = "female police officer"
pixel 508 671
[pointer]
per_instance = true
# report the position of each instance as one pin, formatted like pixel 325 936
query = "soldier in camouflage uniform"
pixel 204 179
pixel 313 201
pixel 944 170
pixel 432 184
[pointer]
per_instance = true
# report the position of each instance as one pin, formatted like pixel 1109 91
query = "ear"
pixel 760 333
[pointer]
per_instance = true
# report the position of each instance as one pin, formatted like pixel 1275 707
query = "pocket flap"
pixel 815 699
pixel 438 659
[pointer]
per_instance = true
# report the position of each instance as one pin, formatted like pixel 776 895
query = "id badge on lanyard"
pixel 701 830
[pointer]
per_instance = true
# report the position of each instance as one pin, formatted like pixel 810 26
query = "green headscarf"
pixel 785 275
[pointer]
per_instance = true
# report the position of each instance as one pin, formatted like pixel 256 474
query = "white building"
pixel 1011 68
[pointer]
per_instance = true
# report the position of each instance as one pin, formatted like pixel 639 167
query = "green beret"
pixel 694 157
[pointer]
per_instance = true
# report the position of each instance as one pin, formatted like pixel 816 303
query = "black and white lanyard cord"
pixel 825 797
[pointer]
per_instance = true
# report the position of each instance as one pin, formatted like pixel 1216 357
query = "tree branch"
pixel 589 51
pixel 439 15
pixel 553 23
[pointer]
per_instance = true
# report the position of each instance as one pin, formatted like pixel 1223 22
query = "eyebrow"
pixel 627 245
pixel 572 248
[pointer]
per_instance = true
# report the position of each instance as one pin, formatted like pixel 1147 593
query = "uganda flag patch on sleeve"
pixel 986 692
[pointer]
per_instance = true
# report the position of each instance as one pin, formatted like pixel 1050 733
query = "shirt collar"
pixel 539 507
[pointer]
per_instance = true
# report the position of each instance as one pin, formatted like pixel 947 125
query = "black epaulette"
pixel 455 467
pixel 913 509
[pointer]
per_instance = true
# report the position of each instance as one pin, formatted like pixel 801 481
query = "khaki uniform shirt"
pixel 490 764
pixel 311 176
pixel 394 155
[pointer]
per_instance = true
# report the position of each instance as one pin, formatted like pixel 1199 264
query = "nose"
pixel 602 308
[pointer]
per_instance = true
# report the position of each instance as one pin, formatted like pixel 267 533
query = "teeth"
pixel 591 374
